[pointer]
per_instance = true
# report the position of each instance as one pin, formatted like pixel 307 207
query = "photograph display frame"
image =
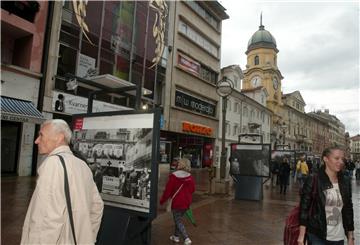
pixel 250 159
pixel 122 150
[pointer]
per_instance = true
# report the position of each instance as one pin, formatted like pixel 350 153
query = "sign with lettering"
pixel 188 64
pixel 72 104
pixel 188 102
pixel 20 118
pixel 196 128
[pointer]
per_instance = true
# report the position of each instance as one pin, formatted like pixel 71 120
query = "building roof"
pixel 296 94
pixel 261 39
pixel 355 138
pixel 218 9
pixel 235 68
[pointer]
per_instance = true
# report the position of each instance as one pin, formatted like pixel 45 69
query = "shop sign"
pixel 20 118
pixel 194 104
pixel 71 104
pixel 188 64
pixel 196 128
pixel 14 118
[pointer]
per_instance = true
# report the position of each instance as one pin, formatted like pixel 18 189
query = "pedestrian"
pixel 357 169
pixel 302 170
pixel 47 220
pixel 309 163
pixel 275 166
pixel 284 174
pixel 180 187
pixel 326 214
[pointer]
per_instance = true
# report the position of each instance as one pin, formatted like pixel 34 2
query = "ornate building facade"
pixel 291 127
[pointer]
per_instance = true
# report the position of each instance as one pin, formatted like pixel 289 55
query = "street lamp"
pixel 283 127
pixel 224 88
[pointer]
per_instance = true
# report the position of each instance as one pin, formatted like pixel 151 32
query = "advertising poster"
pixel 250 160
pixel 119 150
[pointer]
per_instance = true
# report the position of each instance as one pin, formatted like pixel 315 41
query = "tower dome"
pixel 261 39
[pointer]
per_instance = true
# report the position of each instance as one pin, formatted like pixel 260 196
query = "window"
pixel 198 39
pixel 236 81
pixel 228 103
pixel 203 13
pixel 245 111
pixel 208 74
pixel 252 114
pixel 235 106
pixel 256 60
pixel 235 130
pixel 24 9
pixel 227 131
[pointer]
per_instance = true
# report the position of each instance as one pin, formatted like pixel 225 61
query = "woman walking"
pixel 284 173
pixel 179 187
pixel 326 209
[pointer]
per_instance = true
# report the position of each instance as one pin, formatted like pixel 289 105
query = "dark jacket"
pixel 315 221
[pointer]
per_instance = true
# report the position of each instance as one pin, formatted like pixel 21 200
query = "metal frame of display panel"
pixel 128 150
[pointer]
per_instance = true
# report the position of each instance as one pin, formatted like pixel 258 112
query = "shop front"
pixel 18 120
pixel 194 143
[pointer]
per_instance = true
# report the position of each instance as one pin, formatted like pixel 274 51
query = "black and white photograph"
pixel 120 160
pixel 250 160
pixel 278 156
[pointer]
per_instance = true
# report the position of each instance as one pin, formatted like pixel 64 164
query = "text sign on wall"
pixel 196 128
pixel 194 104
pixel 188 64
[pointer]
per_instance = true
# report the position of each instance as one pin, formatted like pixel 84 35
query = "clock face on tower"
pixel 275 83
pixel 256 81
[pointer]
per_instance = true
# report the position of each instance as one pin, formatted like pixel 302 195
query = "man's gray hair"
pixel 60 126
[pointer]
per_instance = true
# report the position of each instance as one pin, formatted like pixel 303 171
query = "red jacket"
pixel 183 198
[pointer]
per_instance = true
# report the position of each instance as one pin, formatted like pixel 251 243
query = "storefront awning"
pixel 19 111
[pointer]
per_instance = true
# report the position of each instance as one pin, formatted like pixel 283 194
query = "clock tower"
pixel 262 69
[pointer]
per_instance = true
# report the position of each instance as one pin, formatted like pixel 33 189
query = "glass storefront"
pixel 199 150
pixel 116 38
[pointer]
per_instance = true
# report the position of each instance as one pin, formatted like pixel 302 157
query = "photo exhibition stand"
pixel 122 150
pixel 248 179
pixel 248 188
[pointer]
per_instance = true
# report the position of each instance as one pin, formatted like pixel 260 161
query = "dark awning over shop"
pixel 19 111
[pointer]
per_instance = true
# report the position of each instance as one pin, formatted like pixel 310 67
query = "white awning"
pixel 19 111
pixel 115 82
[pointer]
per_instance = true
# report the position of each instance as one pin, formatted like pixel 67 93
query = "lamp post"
pixel 283 127
pixel 224 88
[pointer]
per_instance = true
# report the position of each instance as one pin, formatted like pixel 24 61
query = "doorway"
pixel 10 138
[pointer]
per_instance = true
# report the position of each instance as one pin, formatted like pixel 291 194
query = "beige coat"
pixel 47 220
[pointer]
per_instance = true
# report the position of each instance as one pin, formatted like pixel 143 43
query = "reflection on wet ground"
pixel 221 219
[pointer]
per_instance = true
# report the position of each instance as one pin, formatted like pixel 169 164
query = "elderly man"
pixel 47 219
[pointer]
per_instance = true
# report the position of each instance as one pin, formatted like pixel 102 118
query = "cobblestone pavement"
pixel 221 219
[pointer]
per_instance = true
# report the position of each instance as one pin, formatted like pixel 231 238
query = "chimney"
pixel 326 111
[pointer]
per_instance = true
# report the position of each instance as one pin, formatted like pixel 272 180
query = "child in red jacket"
pixel 180 187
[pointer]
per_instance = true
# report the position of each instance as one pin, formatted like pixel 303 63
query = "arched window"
pixel 256 60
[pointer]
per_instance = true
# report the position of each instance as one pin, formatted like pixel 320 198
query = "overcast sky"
pixel 318 45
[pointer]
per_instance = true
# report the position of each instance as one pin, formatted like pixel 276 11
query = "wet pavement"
pixel 221 220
